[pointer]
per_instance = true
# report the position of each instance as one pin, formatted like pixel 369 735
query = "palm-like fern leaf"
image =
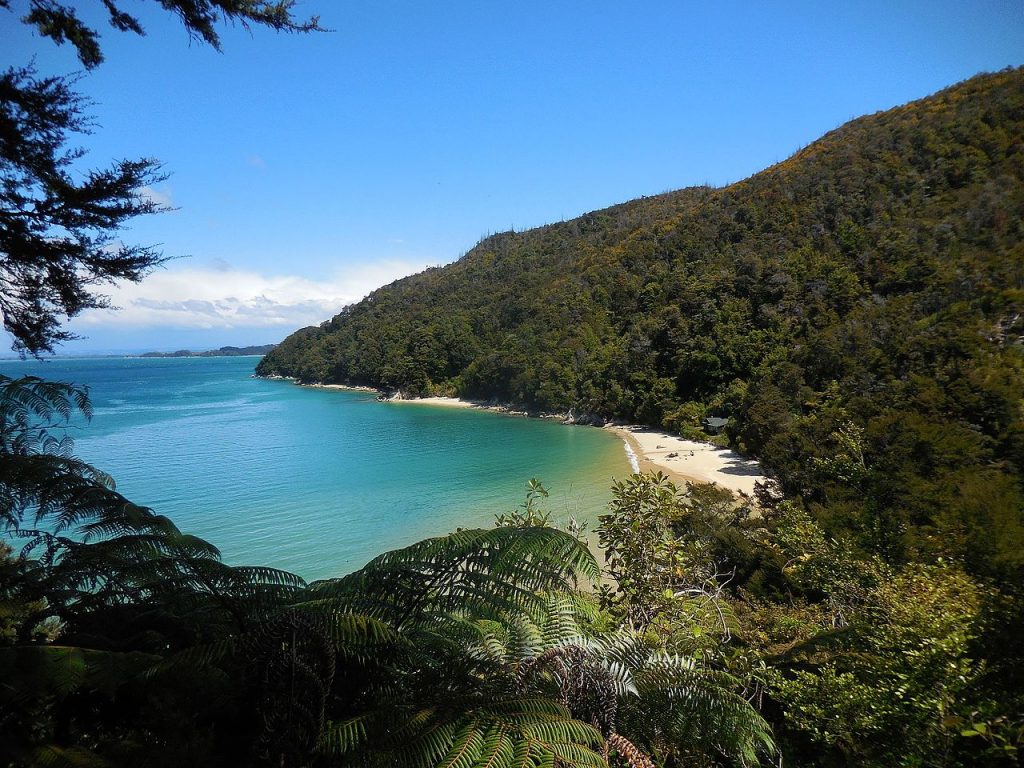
pixel 682 706
pixel 499 734
pixel 52 756
pixel 488 572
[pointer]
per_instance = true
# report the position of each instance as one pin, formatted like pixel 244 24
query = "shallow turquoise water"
pixel 317 481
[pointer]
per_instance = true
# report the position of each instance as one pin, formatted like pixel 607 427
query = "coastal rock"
pixel 585 419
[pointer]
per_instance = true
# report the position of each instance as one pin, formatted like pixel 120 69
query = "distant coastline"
pixel 134 354
pixel 261 349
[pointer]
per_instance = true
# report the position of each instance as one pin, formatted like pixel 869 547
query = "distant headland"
pixel 261 349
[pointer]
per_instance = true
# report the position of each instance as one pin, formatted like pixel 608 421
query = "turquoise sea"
pixel 317 481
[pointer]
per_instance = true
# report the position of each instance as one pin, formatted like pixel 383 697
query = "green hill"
pixel 857 312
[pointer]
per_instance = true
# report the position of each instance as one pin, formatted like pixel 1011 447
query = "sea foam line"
pixel 634 462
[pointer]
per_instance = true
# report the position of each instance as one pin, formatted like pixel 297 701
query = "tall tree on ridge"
pixel 58 235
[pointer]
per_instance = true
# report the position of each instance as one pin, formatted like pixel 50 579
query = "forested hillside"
pixel 857 311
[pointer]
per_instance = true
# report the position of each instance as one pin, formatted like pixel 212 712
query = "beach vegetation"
pixel 531 512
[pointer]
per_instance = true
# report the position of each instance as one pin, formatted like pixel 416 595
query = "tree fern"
pixel 630 693
pixel 498 734
pixel 488 572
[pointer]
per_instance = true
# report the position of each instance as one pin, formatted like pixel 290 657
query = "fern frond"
pixel 487 572
pixel 52 756
pixel 466 747
pixel 346 736
pixel 196 657
pixel 498 750
pixel 38 671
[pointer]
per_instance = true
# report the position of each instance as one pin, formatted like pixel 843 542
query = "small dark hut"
pixel 713 425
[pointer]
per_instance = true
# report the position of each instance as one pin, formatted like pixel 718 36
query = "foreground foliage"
pixel 854 661
pixel 124 641
pixel 876 665
pixel 726 631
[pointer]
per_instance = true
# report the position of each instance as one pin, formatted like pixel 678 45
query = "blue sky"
pixel 309 169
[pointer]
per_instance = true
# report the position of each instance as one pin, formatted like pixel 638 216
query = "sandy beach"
pixel 458 402
pixel 344 387
pixel 689 460
pixel 451 402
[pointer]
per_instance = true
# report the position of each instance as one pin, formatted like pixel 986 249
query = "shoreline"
pixel 649 449
pixel 690 460
pixel 343 387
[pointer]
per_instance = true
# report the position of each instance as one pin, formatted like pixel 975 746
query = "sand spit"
pixel 449 402
pixel 344 387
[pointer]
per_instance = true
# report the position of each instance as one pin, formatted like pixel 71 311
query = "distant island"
pixel 261 349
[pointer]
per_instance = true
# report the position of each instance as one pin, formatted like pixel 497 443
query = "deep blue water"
pixel 311 480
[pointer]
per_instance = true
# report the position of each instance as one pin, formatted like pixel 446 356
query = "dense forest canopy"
pixel 857 311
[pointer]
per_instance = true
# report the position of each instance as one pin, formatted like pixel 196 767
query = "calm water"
pixel 317 481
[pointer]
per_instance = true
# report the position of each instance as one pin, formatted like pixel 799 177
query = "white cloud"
pixel 220 296
pixel 161 196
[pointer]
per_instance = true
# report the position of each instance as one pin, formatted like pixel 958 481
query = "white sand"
pixel 344 387
pixel 689 460
pixel 451 402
